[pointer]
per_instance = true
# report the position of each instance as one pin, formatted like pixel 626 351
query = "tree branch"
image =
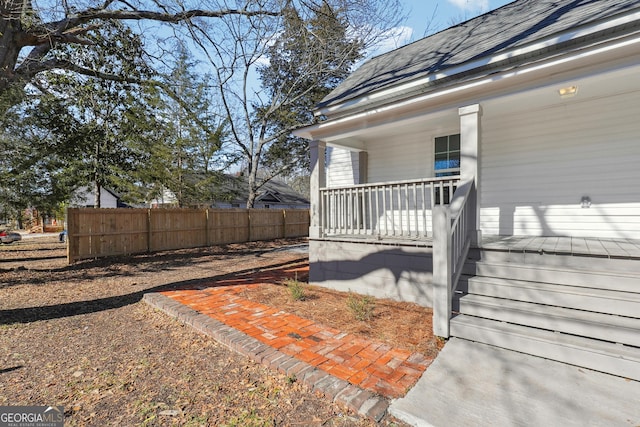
pixel 103 14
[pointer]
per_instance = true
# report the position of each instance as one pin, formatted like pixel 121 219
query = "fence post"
pixel 71 243
pixel 206 227
pixel 284 223
pixel 249 224
pixel 148 230
pixel 441 270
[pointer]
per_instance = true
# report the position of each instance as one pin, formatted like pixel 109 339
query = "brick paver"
pixel 289 339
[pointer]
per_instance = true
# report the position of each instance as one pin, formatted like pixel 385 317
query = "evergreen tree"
pixel 188 161
pixel 307 60
pixel 79 130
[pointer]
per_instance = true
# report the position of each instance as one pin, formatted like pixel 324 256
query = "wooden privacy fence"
pixel 94 233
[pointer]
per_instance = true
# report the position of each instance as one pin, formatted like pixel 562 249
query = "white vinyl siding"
pixel 537 166
pixel 402 158
pixel 342 167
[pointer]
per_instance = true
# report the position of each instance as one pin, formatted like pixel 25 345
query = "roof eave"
pixel 335 126
pixel 566 39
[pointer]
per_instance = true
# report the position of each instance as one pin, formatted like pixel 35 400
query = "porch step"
pixel 596 279
pixel 600 356
pixel 622 265
pixel 612 302
pixel 616 329
pixel 580 310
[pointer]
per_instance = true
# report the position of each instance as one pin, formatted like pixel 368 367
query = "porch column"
pixel 470 136
pixel 363 166
pixel 316 182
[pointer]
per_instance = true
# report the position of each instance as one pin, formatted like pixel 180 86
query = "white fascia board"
pixel 524 50
pixel 327 129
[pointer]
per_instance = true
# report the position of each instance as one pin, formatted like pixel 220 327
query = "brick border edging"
pixel 338 390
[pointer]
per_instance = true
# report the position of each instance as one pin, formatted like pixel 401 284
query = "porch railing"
pixel 452 227
pixel 389 209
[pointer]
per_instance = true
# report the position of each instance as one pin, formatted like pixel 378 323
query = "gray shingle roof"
pixel 275 191
pixel 511 26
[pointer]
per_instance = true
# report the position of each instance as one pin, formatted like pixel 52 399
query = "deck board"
pixel 597 247
pixel 617 248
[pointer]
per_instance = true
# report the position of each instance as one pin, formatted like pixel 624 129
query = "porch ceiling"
pixel 397 127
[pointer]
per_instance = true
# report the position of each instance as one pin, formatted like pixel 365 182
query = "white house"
pixel 85 197
pixel 490 171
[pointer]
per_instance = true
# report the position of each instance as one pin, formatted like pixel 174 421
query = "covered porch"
pixel 538 173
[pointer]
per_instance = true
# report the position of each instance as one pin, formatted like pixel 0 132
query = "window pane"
pixel 443 164
pixel 441 144
pixel 441 156
pixel 454 142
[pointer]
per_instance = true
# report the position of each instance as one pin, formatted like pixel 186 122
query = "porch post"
pixel 441 270
pixel 363 159
pixel 470 136
pixel 316 182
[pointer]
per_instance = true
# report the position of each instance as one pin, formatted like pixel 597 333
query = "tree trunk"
pixel 12 38
pixel 252 178
pixel 97 199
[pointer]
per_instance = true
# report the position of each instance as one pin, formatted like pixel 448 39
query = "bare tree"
pixel 29 32
pixel 261 118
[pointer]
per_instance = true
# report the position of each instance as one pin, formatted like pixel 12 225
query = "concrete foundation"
pixel 395 271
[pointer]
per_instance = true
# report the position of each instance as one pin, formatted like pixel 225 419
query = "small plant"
pixel 296 289
pixel 247 419
pixel 361 306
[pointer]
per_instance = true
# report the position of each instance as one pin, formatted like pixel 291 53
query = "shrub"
pixel 361 306
pixel 296 289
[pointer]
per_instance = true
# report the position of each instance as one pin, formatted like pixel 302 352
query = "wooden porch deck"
pixel 579 246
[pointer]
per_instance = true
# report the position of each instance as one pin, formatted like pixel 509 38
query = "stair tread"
pixel 589 272
pixel 582 343
pixel 553 311
pixel 601 326
pixel 553 287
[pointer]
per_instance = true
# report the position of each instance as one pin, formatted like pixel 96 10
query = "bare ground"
pixel 80 337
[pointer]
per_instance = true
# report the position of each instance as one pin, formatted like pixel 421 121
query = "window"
pixel 447 162
pixel 447 155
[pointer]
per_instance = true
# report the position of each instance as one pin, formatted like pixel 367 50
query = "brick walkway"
pixel 365 364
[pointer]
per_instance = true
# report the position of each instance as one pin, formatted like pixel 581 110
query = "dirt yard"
pixel 79 336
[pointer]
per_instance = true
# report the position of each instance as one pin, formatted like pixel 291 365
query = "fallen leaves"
pixel 126 364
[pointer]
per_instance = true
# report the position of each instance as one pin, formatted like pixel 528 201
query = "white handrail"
pixel 460 239
pixel 386 209
pixel 451 242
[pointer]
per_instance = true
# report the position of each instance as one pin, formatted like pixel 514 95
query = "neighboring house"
pixel 529 114
pixel 275 194
pixel 85 197
pixel 166 199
